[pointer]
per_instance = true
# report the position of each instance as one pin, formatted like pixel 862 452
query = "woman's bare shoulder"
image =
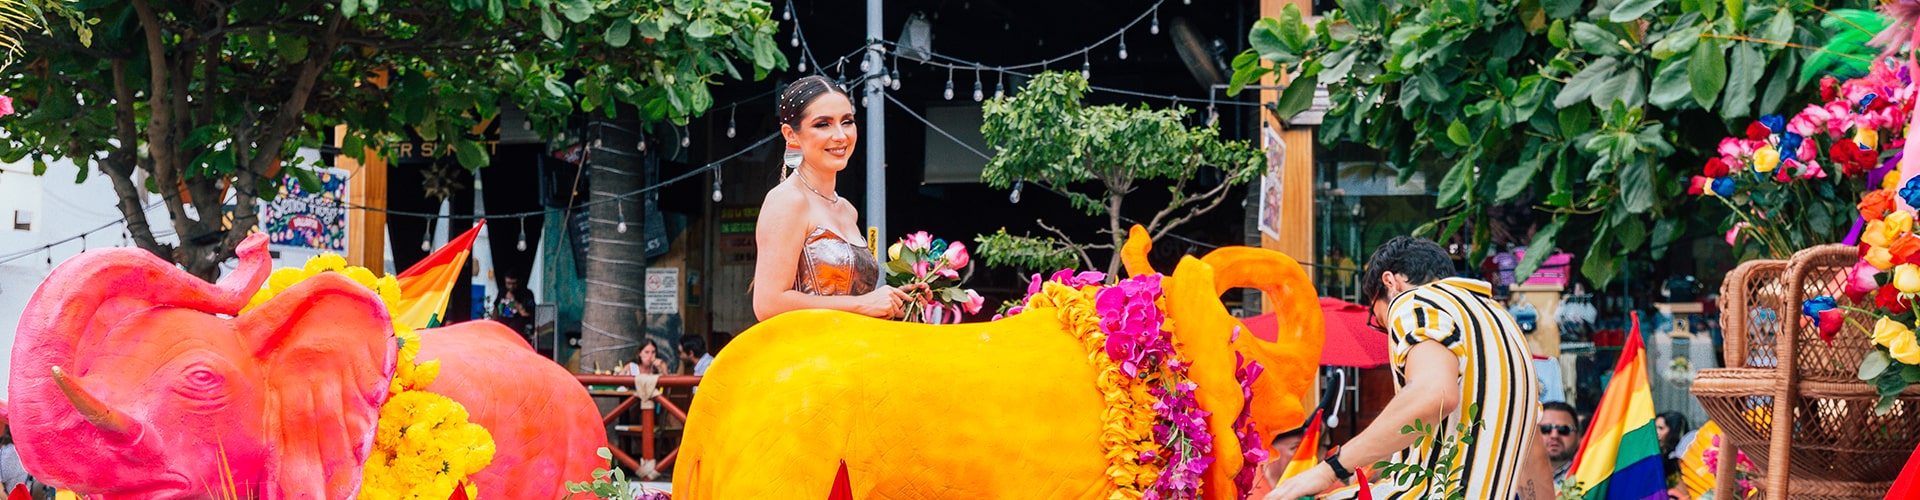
pixel 783 202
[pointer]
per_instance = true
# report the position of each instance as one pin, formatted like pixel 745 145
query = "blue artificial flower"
pixel 1775 123
pixel 1864 101
pixel 1789 144
pixel 1724 186
pixel 1911 192
pixel 1812 307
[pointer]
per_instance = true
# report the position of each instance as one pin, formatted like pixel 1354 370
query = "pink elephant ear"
pixel 326 346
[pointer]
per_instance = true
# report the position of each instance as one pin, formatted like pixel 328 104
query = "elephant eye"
pixel 201 382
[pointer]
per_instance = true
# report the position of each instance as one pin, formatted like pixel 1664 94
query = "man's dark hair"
pixel 1561 406
pixel 1420 259
pixel 694 344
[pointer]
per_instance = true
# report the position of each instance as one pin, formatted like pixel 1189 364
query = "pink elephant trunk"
pixel 66 436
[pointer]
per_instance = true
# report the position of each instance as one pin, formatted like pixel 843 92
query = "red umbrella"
pixel 1350 342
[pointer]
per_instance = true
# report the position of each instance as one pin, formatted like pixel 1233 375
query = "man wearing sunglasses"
pixel 1453 348
pixel 1562 437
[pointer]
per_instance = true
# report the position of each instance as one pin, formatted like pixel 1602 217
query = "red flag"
pixel 1908 486
pixel 459 492
pixel 1366 488
pixel 842 487
pixel 19 493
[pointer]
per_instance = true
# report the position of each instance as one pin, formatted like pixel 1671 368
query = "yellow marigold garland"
pixel 425 446
pixel 1134 459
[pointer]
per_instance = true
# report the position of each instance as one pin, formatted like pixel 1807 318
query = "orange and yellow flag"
pixel 426 287
pixel 1308 454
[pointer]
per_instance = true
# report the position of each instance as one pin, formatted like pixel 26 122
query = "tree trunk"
pixel 616 260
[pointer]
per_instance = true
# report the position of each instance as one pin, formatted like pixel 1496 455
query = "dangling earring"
pixel 791 160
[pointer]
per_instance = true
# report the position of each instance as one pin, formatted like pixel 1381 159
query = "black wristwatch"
pixel 1340 472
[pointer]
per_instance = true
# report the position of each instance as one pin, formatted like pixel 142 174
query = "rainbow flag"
pixel 1620 457
pixel 1308 454
pixel 425 287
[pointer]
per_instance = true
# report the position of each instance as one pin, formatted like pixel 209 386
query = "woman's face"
pixel 648 352
pixel 1660 427
pixel 826 133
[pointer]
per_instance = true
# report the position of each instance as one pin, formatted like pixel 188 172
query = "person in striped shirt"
pixel 1453 348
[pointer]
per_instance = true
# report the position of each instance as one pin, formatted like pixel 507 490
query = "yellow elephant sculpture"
pixel 1002 409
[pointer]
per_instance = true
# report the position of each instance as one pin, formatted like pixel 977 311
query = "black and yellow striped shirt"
pixel 1496 374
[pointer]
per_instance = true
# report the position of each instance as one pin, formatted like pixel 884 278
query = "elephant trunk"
pixel 65 434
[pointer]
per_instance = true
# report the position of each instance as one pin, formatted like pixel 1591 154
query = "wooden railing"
pixel 648 426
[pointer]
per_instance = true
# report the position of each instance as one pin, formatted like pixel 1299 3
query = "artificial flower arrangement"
pixel 1155 431
pixel 424 448
pixel 937 265
pixel 1777 176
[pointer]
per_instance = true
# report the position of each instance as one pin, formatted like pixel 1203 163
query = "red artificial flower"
pixel 1829 88
pixel 1829 322
pixel 1888 298
pixel 1716 167
pixel 1905 249
pixel 1853 160
pixel 1876 204
pixel 1698 186
pixel 1757 132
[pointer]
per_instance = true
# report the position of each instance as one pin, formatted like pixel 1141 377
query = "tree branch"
pixel 1216 195
pixel 1084 259
pixel 121 163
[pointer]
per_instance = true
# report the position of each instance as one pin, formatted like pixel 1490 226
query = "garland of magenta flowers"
pixel 1155 432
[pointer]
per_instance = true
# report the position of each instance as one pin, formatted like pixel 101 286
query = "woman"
pixel 812 254
pixel 646 362
pixel 1669 427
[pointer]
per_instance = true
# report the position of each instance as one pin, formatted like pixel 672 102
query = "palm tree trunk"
pixel 616 260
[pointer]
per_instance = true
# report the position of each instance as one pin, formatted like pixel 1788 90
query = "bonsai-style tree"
pixel 1096 156
pixel 205 102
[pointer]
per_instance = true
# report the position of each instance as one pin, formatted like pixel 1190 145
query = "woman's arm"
pixel 779 234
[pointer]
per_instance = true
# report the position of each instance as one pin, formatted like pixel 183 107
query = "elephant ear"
pixel 326 347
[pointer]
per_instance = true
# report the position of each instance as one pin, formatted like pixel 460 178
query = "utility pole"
pixel 876 130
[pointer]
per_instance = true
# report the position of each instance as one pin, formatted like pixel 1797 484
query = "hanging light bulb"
pixel 893 76
pixel 1086 68
pixel 1000 87
pixel 1154 27
pixel 1123 47
pixel 803 64
pixel 796 38
pixel 1015 196
pixel 949 83
pixel 522 245
pixel 716 185
pixel 787 13
pixel 686 138
pixel 977 94
pixel 426 239
pixel 622 226
pixel 730 128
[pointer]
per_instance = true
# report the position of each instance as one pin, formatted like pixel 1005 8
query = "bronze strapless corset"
pixel 829 265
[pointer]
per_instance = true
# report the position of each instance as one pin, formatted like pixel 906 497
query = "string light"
pixel 730 113
pixel 893 77
pixel 716 185
pixel 1123 47
pixel 686 137
pixel 1014 197
pixel 787 13
pixel 522 245
pixel 796 36
pixel 1000 86
pixel 1086 68
pixel 620 204
pixel 426 238
pixel 1154 27
pixel 803 64
pixel 949 92
pixel 977 94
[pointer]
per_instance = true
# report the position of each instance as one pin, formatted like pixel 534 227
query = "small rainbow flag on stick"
pixel 1620 457
pixel 425 287
pixel 1308 454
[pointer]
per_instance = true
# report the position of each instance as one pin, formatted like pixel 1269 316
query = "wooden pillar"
pixel 366 187
pixel 1296 206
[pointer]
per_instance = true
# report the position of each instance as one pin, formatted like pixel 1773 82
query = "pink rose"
pixel 918 241
pixel 6 105
pixel 1734 234
pixel 974 302
pixel 957 255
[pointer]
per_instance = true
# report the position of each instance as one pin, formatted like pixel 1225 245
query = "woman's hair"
pixel 643 350
pixel 802 92
pixel 1676 426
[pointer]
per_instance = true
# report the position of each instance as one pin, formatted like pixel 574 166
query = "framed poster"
pixel 1271 184
pixel 309 220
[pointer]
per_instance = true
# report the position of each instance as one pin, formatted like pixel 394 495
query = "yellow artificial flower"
pixel 1906 277
pixel 1867 138
pixel 1876 235
pixel 285 278
pixel 1898 223
pixel 1898 339
pixel 1766 159
pixel 325 262
pixel 1880 258
pixel 893 251
pixel 362 276
pixel 389 290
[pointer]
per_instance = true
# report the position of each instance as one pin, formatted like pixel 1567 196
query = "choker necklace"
pixel 835 199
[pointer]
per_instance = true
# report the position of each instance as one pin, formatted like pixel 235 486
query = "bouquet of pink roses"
pixel 936 267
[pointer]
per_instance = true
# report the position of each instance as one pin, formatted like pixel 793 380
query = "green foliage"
pixel 1593 111
pixel 610 483
pixel 1450 481
pixel 205 95
pixel 1036 254
pixel 1097 155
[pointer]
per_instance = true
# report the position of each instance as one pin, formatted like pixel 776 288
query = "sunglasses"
pixel 1564 430
pixel 1374 323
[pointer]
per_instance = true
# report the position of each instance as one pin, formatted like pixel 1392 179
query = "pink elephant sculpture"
pixel 134 379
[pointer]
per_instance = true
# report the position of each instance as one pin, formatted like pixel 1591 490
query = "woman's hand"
pixel 885 302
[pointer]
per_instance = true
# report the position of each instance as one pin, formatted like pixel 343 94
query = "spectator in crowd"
pixel 646 362
pixel 693 353
pixel 1561 435
pixel 514 306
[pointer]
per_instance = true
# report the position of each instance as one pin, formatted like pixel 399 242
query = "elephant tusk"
pixel 101 415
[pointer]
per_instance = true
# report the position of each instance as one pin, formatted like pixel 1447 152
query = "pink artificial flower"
pixel 921 268
pixel 1860 280
pixel 1803 125
pixel 1812 170
pixel 956 255
pixel 1781 174
pixel 974 302
pixel 1734 234
pixel 1807 151
pixel 947 273
pixel 6 105
pixel 1735 150
pixel 918 241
